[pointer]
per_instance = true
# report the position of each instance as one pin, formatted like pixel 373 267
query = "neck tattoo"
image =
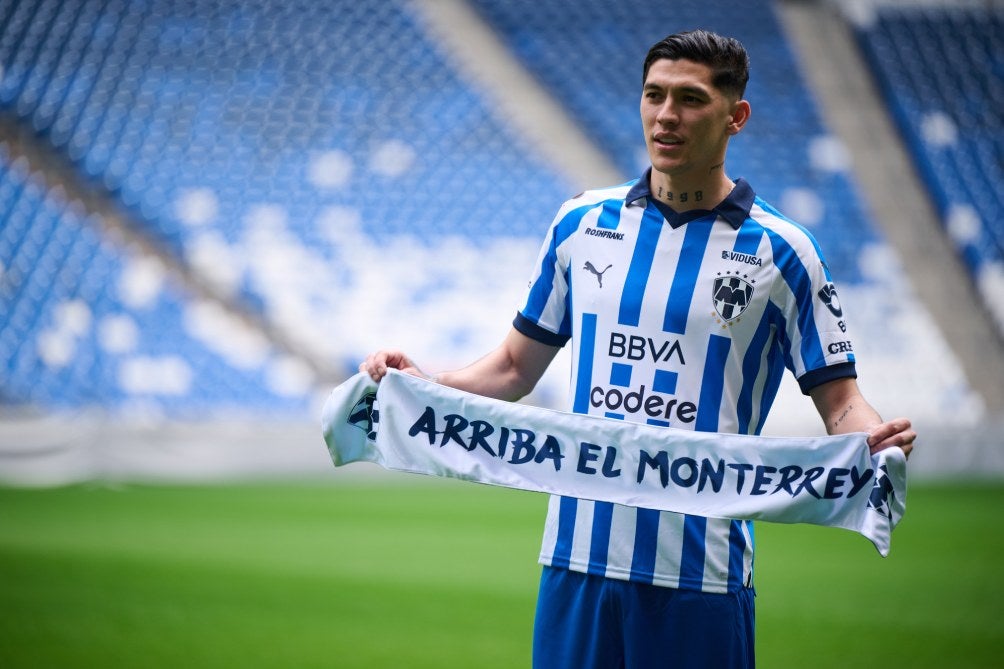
pixel 670 196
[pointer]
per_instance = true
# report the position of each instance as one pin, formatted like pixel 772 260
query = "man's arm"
pixel 843 409
pixel 509 372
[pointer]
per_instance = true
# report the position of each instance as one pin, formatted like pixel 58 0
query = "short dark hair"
pixel 726 56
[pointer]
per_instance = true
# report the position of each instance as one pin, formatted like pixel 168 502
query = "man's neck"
pixel 683 195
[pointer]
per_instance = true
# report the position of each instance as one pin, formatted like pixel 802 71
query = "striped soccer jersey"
pixel 677 320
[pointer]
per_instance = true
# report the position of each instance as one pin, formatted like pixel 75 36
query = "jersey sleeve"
pixel 545 314
pixel 818 345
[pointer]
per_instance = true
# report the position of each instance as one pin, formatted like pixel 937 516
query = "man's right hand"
pixel 377 364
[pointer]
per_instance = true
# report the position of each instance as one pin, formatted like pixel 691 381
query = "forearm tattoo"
pixel 843 416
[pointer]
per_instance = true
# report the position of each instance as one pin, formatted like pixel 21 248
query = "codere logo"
pixel 643 399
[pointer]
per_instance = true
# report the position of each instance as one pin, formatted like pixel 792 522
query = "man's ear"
pixel 740 114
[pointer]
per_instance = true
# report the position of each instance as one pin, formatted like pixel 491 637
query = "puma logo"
pixel 599 275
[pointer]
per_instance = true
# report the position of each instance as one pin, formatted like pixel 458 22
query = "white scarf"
pixel 412 425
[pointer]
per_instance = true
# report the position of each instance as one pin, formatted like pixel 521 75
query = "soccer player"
pixel 684 297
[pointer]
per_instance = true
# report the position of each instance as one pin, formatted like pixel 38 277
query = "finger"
pixel 374 365
pixel 907 445
pixel 880 433
pixel 904 440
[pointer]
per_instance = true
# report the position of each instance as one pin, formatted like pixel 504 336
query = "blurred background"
pixel 211 211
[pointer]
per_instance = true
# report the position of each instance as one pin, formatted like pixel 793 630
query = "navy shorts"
pixel 591 622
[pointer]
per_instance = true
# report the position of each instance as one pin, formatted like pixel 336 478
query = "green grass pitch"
pixel 414 572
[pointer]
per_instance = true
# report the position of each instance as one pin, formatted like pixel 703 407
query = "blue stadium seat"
pixel 174 93
pixel 69 339
pixel 942 72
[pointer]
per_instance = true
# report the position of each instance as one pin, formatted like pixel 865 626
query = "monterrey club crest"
pixel 731 294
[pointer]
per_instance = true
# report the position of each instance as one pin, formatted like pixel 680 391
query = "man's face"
pixel 686 120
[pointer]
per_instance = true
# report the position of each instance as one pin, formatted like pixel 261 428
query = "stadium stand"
pixel 329 170
pixel 212 123
pixel 297 104
pixel 941 70
pixel 86 321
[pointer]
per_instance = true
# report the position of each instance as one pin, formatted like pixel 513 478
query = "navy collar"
pixel 735 208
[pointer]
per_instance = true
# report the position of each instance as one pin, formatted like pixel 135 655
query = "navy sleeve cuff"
pixel 534 331
pixel 818 377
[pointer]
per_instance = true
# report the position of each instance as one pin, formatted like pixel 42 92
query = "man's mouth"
pixel 665 140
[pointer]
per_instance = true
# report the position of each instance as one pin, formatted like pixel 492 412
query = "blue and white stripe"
pixel 648 329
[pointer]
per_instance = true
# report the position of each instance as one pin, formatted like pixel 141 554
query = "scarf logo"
pixel 882 490
pixel 365 416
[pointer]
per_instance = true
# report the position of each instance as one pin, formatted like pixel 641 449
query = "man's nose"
pixel 667 114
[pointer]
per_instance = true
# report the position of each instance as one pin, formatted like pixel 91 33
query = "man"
pixel 690 293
